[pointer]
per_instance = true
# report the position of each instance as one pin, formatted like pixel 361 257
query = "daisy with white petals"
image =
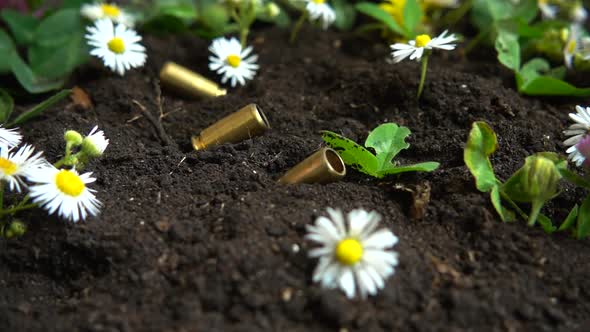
pixel 111 11
pixel 420 49
pixel 9 137
pixel 572 46
pixel 415 49
pixel 547 11
pixel 579 140
pixel 118 46
pixel 353 255
pixel 321 11
pixel 232 61
pixel 579 14
pixel 65 192
pixel 14 166
pixel 95 143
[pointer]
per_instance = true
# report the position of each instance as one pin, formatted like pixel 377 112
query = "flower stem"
pixel 17 208
pixel 457 14
pixel 423 74
pixel 297 26
pixel 244 35
pixel 2 184
pixel 475 41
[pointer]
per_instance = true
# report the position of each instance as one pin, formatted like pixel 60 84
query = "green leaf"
pixel 58 28
pixel 534 68
pixel 37 110
pixel 574 178
pixel 549 86
pixel 373 10
pixel 22 26
pixel 546 223
pixel 184 11
pixel 6 106
pixel 428 166
pixel 583 229
pixel 345 14
pixel 30 81
pixel 508 50
pixel 412 17
pixel 570 219
pixel 481 144
pixel 214 17
pixel 7 51
pixel 505 214
pixel 55 62
pixel 388 140
pixel 351 153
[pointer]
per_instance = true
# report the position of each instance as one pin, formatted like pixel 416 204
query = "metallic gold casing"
pixel 246 123
pixel 323 166
pixel 188 82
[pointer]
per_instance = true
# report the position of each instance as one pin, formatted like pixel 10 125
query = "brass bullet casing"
pixel 323 166
pixel 188 82
pixel 246 123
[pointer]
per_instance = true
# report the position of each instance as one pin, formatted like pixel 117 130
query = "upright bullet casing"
pixel 246 123
pixel 188 82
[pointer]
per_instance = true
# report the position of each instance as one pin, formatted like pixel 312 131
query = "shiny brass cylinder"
pixel 323 166
pixel 246 123
pixel 188 82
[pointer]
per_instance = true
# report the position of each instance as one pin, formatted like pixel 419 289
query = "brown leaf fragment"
pixel 420 197
pixel 80 99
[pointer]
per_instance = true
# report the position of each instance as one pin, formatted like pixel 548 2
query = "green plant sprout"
pixel 7 108
pixel 519 40
pixel 243 12
pixel 387 140
pixel 536 182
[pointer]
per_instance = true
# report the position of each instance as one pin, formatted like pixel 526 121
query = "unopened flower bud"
pixel 540 178
pixel 73 137
pixel 15 229
pixel 272 9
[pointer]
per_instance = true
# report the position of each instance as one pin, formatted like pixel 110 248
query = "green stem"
pixel 535 210
pixel 475 41
pixel 244 35
pixel 423 73
pixel 2 184
pixel 514 206
pixel 16 209
pixel 457 14
pixel 297 26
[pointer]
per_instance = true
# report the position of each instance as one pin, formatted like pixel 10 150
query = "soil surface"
pixel 207 241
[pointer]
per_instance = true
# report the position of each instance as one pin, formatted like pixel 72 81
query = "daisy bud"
pixel 15 229
pixel 73 137
pixel 272 9
pixel 540 178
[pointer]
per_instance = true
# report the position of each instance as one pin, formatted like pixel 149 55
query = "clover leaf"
pixel 387 140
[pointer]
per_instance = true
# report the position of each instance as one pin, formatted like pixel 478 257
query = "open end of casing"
pixel 334 162
pixel 260 117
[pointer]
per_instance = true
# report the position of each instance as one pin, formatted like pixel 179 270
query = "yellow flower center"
pixel 319 2
pixel 571 46
pixel 349 251
pixel 7 166
pixel 69 183
pixel 110 10
pixel 116 45
pixel 395 8
pixel 422 40
pixel 233 60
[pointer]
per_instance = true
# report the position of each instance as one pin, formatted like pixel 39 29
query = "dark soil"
pixel 207 241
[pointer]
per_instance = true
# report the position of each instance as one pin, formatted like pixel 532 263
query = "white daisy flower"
pixel 352 255
pixel 232 61
pixel 10 137
pixel 320 10
pixel 415 48
pixel 579 14
pixel 95 143
pixel 579 140
pixel 547 11
pixel 14 166
pixel 101 10
pixel 118 46
pixel 65 192
pixel 572 46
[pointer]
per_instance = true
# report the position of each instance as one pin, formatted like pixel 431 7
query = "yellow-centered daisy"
pixel 118 47
pixel 229 59
pixel 100 10
pixel 9 137
pixel 352 254
pixel 415 48
pixel 65 192
pixel 321 11
pixel 15 166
